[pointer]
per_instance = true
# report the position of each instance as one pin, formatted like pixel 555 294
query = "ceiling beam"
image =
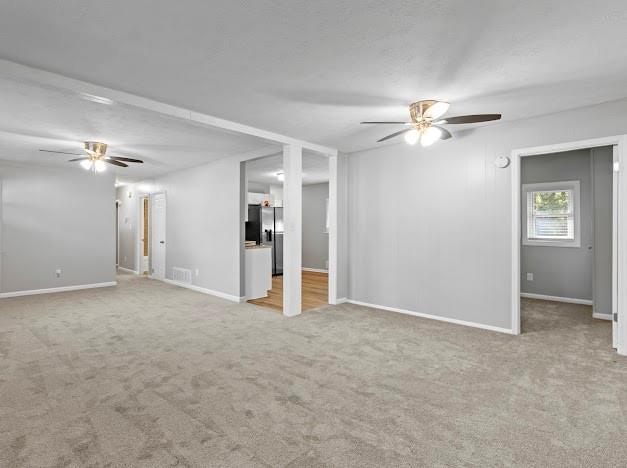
pixel 270 150
pixel 37 77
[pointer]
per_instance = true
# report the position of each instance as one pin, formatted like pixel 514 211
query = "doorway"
pixel 566 229
pixel 144 263
pixel 264 229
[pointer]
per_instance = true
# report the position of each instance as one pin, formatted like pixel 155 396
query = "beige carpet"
pixel 147 374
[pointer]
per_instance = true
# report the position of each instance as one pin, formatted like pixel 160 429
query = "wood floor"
pixel 314 292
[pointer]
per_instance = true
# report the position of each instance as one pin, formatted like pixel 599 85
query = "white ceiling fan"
pixel 96 158
pixel 426 122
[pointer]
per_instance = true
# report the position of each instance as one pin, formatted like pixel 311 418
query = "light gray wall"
pixel 430 229
pixel 258 187
pixel 560 271
pixel 56 219
pixel 602 175
pixel 128 225
pixel 342 226
pixel 203 223
pixel 315 239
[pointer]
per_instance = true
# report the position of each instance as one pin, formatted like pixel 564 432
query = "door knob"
pixel 162 242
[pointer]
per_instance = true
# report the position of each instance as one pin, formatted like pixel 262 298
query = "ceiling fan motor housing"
pixel 417 109
pixel 96 147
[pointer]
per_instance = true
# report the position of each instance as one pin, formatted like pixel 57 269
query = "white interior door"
pixel 158 235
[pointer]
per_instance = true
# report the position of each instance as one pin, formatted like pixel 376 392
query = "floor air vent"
pixel 182 275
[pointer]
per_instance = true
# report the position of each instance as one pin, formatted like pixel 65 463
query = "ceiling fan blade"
pixel 445 133
pixel 120 158
pixel 78 159
pixel 393 123
pixel 115 163
pixel 61 152
pixel 405 130
pixel 465 119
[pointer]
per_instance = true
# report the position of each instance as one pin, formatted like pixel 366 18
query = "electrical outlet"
pixel 529 276
pixel 58 273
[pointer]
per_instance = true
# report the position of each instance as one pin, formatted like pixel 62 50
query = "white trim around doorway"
pixel 619 252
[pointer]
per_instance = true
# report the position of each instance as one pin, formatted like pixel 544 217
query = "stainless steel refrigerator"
pixel 265 226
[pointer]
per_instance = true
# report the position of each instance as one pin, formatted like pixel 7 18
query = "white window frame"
pixel 572 185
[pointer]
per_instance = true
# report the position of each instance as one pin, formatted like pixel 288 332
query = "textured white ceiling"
pixel 264 170
pixel 34 118
pixel 314 69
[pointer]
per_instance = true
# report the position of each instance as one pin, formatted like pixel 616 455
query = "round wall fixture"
pixel 501 162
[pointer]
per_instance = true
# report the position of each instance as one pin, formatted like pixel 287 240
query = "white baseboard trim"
pixel 602 316
pixel 341 300
pixel 78 287
pixel 433 317
pixel 315 270
pixel 568 300
pixel 128 270
pixel 200 289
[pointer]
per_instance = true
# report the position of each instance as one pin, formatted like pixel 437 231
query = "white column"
pixel 333 261
pixel 622 247
pixel 292 219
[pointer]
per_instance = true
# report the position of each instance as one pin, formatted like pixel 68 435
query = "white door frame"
pixel 619 251
pixel 142 235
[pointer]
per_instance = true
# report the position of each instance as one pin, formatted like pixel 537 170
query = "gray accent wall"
pixel 315 239
pixel 560 271
pixel 602 180
pixel 56 219
pixel 430 229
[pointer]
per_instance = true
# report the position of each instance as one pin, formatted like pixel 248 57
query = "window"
pixel 551 214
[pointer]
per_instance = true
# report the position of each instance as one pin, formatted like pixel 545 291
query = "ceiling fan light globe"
pixel 430 136
pixel 86 164
pixel 412 137
pixel 100 166
pixel 437 110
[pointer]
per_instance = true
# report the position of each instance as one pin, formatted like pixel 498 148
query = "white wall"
pixel 56 219
pixel 315 239
pixel 276 191
pixel 430 229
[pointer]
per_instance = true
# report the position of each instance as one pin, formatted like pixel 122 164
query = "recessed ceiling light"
pixel 97 99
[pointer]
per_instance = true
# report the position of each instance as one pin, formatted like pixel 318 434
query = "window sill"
pixel 547 243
